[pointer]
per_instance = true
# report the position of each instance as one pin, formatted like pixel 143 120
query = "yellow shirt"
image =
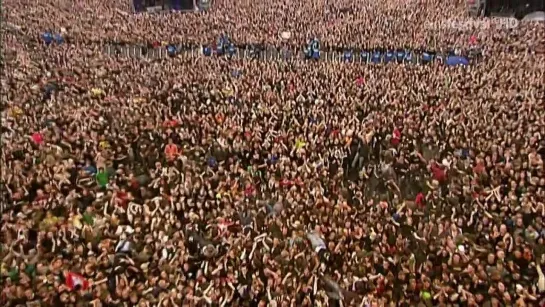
pixel 76 221
pixel 96 91
pixel 300 144
pixel 104 144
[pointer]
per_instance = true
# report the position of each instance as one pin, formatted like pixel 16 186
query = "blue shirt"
pixel 90 169
pixel 212 162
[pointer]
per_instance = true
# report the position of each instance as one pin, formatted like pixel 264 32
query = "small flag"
pixel 75 281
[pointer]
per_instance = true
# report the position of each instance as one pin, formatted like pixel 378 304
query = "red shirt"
pixel 223 227
pixel 171 150
pixel 249 190
pixel 135 184
pixel 479 168
pixel 286 183
pixel 396 137
pixel 170 123
pixel 438 173
pixel 123 198
pixel 37 138
pixel 360 81
pixel 380 287
pixel 420 198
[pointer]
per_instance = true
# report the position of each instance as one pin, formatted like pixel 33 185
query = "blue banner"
pixel 224 46
pixel 312 51
pixel 347 56
pixel 457 60
pixel 400 55
pixel 232 49
pixel 315 45
pixel 426 57
pixel 171 49
pixel 364 55
pixel 377 57
pixel 389 56
pixel 408 57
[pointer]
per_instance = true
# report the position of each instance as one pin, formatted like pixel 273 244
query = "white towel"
pixel 541 279
pixel 123 246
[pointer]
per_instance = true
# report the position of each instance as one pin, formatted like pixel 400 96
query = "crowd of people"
pixel 197 181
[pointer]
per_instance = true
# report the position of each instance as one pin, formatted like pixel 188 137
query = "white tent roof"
pixel 535 16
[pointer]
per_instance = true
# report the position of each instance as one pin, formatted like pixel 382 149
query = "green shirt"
pixel 102 179
pixel 13 274
pixel 30 270
pixel 88 219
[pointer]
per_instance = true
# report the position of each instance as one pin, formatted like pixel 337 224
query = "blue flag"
pixel 47 38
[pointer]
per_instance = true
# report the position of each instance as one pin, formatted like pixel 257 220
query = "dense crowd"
pixel 207 181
